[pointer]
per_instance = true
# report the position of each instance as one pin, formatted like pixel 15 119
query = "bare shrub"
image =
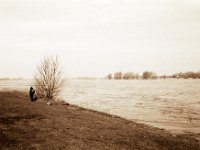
pixel 48 78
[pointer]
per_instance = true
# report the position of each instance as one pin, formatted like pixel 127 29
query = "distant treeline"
pixel 151 75
pixel 2 79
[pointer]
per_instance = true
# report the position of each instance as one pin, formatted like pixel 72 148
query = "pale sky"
pixel 96 37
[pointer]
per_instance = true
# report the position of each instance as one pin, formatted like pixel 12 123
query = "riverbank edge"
pixel 117 131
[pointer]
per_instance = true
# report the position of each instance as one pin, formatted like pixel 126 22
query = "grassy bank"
pixel 35 125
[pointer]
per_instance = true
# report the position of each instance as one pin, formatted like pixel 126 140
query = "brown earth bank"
pixel 35 125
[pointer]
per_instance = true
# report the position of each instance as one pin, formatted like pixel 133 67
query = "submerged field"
pixel 35 125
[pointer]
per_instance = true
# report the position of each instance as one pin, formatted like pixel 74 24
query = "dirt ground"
pixel 35 125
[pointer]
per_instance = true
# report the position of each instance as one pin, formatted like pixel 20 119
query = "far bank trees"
pixel 130 76
pixel 118 76
pixel 109 76
pixel 121 76
pixel 149 75
pixel 187 75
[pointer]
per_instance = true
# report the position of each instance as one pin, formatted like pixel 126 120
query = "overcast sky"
pixel 96 37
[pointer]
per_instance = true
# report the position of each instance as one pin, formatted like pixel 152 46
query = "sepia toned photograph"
pixel 99 75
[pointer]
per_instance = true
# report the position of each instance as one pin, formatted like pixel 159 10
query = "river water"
pixel 172 104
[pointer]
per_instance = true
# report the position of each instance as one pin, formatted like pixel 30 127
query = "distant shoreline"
pixel 87 78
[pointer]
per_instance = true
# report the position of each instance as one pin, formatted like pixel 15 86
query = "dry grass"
pixel 35 125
